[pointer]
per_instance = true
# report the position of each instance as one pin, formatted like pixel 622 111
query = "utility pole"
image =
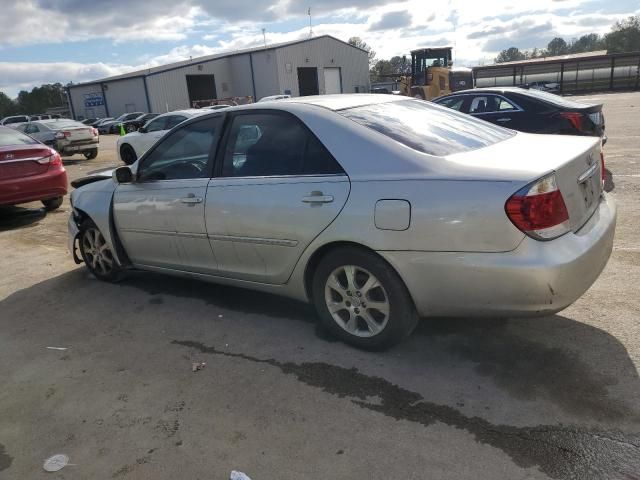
pixel 310 27
pixel 264 37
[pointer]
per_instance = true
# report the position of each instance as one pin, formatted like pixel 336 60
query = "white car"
pixel 131 146
pixel 274 97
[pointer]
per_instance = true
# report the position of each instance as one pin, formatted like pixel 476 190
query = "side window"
pixel 503 105
pixel 454 103
pixel 183 154
pixel 480 105
pixel 157 124
pixel 174 120
pixel 31 128
pixel 270 144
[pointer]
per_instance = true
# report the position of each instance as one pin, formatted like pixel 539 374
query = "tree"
pixel 557 46
pixel 358 42
pixel 7 106
pixel 511 54
pixel 587 43
pixel 624 36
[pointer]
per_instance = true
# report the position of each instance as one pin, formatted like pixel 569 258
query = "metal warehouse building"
pixel 319 65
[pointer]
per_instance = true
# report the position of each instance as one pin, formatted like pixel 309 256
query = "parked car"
pixel 113 126
pixel 532 110
pixel 379 209
pixel 90 121
pixel 30 171
pixel 14 119
pixel 131 146
pixel 66 136
pixel 544 86
pixel 136 123
pixel 39 116
pixel 101 121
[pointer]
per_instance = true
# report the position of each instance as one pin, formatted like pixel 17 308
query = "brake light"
pixel 602 170
pixel 575 119
pixel 61 135
pixel 54 160
pixel 539 209
pixel 94 131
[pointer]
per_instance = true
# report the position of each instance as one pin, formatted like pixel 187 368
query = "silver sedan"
pixel 378 209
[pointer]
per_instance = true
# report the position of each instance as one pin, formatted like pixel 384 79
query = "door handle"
pixel 505 119
pixel 317 197
pixel 191 199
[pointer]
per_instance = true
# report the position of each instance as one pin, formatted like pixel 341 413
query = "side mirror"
pixel 142 130
pixel 122 175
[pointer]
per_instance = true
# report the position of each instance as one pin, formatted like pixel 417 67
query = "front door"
pixel 277 189
pixel 160 216
pixel 497 109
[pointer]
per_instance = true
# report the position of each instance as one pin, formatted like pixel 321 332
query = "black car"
pixel 528 110
pixel 113 126
pixel 136 123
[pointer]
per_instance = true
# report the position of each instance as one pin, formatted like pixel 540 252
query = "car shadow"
pixel 14 217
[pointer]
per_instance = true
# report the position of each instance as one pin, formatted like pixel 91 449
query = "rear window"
pixel 552 98
pixel 64 124
pixel 10 137
pixel 428 128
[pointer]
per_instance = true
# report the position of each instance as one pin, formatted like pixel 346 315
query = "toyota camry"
pixel 377 209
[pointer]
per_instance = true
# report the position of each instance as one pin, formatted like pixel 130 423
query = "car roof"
pixel 334 102
pixel 189 112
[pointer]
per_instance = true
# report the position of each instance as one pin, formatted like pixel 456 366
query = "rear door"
pixel 276 189
pixel 501 111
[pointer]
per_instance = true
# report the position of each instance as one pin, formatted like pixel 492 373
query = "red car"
pixel 30 171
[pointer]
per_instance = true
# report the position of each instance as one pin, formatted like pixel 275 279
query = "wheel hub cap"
pixel 357 301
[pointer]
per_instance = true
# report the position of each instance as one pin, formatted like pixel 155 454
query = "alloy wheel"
pixel 357 301
pixel 97 252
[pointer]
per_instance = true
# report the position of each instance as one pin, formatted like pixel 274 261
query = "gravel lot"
pixel 555 397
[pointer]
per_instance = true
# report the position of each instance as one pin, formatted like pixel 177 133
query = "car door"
pixel 160 216
pixel 276 188
pixel 154 130
pixel 497 109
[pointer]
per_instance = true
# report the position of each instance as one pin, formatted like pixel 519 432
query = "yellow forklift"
pixel 433 75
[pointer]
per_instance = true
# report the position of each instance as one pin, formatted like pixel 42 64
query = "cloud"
pixel 15 76
pixel 391 21
pixel 523 38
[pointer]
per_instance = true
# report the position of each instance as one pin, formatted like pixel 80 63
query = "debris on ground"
pixel 198 366
pixel 57 348
pixel 238 476
pixel 56 462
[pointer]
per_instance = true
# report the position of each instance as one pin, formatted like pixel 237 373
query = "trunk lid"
pixel 526 157
pixel 79 134
pixel 23 161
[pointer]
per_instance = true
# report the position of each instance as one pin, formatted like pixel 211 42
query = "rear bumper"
pixel 537 278
pixel 63 146
pixel 34 188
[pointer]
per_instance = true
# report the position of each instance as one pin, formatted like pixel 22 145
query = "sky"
pixel 47 41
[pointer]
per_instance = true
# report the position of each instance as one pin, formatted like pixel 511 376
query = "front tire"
pixel 128 154
pixel 97 254
pixel 361 300
pixel 90 154
pixel 52 203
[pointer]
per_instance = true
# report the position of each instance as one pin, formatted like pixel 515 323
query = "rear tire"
pixel 90 154
pixel 361 300
pixel 52 203
pixel 128 154
pixel 96 254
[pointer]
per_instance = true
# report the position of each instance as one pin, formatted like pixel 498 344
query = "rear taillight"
pixel 602 170
pixel 575 119
pixel 539 209
pixel 94 131
pixel 54 160
pixel 61 135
